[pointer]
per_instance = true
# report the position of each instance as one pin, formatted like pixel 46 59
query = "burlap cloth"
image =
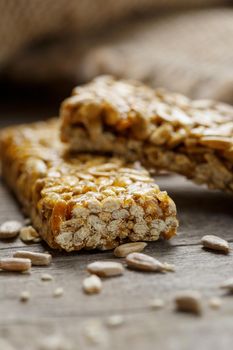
pixel 190 51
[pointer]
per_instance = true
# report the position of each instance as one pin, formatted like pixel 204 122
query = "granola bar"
pixel 161 129
pixel 84 201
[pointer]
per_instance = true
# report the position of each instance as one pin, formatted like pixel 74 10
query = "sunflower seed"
pixel 15 264
pixel 143 262
pixel 127 248
pixel 215 243
pixel 105 268
pixel 10 229
pixel 189 301
pixel 38 259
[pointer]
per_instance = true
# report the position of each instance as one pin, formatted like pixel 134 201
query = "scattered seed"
pixel 215 243
pixel 29 234
pixel 143 262
pixel 215 303
pixel 25 296
pixel 105 268
pixel 115 321
pixel 15 264
pixel 46 277
pixel 95 332
pixel 92 285
pixel 228 285
pixel 125 249
pixel 38 259
pixel 56 341
pixel 10 229
pixel 157 303
pixel 58 292
pixel 189 301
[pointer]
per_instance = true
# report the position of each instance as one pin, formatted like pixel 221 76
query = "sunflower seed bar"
pixel 85 201
pixel 163 130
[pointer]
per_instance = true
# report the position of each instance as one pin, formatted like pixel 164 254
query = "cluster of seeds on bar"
pixel 126 206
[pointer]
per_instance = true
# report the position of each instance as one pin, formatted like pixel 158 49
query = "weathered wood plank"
pixel 128 295
pixel 200 211
pixel 164 330
pixel 195 269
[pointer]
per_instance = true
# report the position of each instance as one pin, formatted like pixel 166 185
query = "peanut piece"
pixel 92 284
pixel 29 234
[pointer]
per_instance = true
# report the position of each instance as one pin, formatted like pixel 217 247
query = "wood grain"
pixel 46 320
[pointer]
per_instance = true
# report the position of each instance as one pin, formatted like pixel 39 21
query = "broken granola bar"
pixel 85 201
pixel 161 129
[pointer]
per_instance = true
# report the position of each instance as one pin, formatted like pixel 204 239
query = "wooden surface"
pixel 77 321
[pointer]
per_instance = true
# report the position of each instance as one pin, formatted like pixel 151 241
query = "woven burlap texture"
pixel 22 21
pixel 190 52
